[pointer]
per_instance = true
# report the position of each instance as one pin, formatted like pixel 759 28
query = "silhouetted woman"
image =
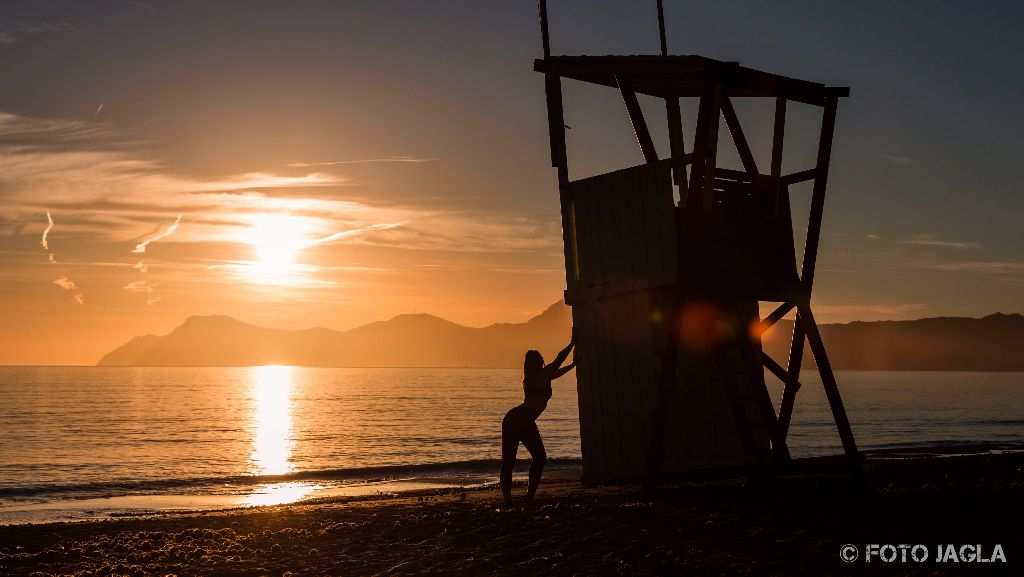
pixel 520 423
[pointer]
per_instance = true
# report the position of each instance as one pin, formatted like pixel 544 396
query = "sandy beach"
pixel 793 526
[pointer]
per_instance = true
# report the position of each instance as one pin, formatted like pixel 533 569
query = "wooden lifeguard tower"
pixel 665 295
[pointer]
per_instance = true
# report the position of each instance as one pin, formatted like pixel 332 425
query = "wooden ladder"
pixel 742 376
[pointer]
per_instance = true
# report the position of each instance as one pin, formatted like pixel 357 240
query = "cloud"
pixel 141 247
pixel 67 284
pixel 46 233
pixel 362 161
pixel 871 309
pixel 141 267
pixel 153 300
pixel 64 283
pixel 350 233
pixel 929 240
pixel 112 192
pixel 933 240
pixel 14 33
pixel 140 286
pixel 898 160
pixel 990 267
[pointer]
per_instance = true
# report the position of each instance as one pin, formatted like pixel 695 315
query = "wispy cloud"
pixel 410 159
pixel 933 240
pixel 863 310
pixel 974 266
pixel 14 33
pixel 141 247
pixel 898 160
pixel 64 283
pixel 115 194
pixel 107 191
pixel 67 284
pixel 140 286
pixel 350 233
pixel 46 233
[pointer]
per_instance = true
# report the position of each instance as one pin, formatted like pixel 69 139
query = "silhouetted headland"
pixel 991 343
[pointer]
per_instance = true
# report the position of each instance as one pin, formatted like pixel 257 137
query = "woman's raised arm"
pixel 562 355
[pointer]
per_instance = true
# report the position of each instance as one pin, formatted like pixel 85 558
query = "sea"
pixel 81 443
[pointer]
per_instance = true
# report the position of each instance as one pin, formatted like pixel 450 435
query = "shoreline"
pixel 792 526
pixel 300 487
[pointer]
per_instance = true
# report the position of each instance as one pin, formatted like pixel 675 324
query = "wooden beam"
pixel 778 370
pixel 676 142
pixel 685 76
pixel 636 117
pixel 796 351
pixel 705 148
pixel 828 381
pixel 733 122
pixel 778 136
pixel 778 139
pixel 828 125
pixel 797 177
pixel 556 125
pixel 776 315
pixel 779 448
pixel 661 28
pixel 542 6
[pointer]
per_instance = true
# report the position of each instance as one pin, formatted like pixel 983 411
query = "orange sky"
pixel 348 162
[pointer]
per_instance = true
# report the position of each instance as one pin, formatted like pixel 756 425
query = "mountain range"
pixel 992 343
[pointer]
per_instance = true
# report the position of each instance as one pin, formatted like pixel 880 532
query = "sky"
pixel 299 164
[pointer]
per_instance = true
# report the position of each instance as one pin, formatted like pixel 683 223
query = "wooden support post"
pixel 828 380
pixel 661 28
pixel 556 134
pixel 677 143
pixel 636 117
pixel 733 122
pixel 796 351
pixel 542 6
pixel 705 148
pixel 556 125
pixel 778 136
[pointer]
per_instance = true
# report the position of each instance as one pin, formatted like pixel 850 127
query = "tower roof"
pixel 663 76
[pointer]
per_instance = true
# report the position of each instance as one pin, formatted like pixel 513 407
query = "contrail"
pixel 349 233
pixel 49 226
pixel 141 247
pixel 363 161
pixel 97 113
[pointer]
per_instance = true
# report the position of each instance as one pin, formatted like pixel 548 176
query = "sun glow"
pixel 276 240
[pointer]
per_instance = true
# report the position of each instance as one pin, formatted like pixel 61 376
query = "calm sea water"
pixel 78 441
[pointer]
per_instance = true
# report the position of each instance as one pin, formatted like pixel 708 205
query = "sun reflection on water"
pixel 272 420
pixel 279 494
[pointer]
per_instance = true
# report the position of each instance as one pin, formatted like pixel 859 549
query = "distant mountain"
pixel 992 343
pixel 405 341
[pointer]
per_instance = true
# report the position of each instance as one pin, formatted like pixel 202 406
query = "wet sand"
pixel 791 526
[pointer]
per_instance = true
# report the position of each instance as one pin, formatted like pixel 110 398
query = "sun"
pixel 276 240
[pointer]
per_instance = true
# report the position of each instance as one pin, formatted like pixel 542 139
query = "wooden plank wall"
pixel 625 230
pixel 626 247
